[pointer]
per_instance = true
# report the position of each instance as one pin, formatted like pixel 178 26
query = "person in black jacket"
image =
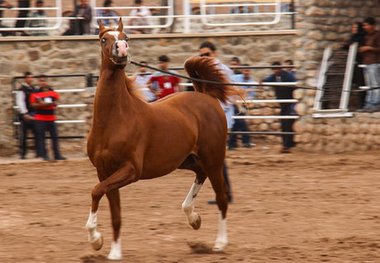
pixel 26 112
pixel 280 75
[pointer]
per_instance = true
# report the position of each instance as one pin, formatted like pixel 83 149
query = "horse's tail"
pixel 208 69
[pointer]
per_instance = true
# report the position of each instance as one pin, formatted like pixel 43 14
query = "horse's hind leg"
pixel 219 186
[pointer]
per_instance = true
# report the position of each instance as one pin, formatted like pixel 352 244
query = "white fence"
pixel 236 15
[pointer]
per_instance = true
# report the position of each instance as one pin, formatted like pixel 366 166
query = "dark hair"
pixel 137 2
pixel 244 65
pixel 236 59
pixel 276 63
pixel 107 3
pixel 370 20
pixel 39 2
pixel 27 73
pixel 163 58
pixel 289 61
pixel 209 45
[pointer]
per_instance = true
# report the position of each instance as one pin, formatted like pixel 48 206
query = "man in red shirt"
pixel 44 101
pixel 162 84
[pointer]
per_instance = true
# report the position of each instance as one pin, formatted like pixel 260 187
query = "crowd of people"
pixel 81 19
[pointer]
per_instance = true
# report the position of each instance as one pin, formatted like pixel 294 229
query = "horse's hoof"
pixel 219 246
pixel 97 243
pixel 114 256
pixel 197 223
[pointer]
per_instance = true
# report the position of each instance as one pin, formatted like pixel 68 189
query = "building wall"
pixel 323 23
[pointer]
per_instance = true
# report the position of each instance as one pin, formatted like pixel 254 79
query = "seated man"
pixel 140 17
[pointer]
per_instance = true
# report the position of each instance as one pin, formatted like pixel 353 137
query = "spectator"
pixel 289 63
pixel 140 18
pixel 142 79
pixel 41 22
pixel 4 4
pixel 208 49
pixel 235 62
pixel 26 112
pixel 83 13
pixel 240 9
pixel 370 53
pixel 162 84
pixel 45 101
pixel 22 13
pixel 280 75
pixel 109 22
pixel 357 36
pixel 241 124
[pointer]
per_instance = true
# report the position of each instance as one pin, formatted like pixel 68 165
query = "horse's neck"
pixel 113 97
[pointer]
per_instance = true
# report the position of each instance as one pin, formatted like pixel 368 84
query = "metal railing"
pixel 165 18
pixel 88 80
pixel 57 19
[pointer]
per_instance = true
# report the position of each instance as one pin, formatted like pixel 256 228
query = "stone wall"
pixel 323 23
pixel 77 55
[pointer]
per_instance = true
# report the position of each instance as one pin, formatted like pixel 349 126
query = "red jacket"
pixel 46 113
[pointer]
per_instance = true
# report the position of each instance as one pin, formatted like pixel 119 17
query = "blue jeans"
pixel 372 78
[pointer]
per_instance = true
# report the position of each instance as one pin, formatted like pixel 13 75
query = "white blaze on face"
pixel 122 45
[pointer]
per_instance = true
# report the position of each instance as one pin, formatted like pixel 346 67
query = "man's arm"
pixel 20 102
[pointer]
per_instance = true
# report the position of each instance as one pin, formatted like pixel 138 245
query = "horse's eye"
pixel 104 40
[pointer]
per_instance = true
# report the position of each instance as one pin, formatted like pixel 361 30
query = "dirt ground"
pixel 297 207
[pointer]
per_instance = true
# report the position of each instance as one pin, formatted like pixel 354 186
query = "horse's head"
pixel 114 44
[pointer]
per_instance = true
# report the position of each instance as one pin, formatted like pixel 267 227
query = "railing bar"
pixel 249 117
pixel 268 101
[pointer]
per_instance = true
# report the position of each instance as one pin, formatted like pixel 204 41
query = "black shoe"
pixel 285 150
pixel 22 157
pixel 60 158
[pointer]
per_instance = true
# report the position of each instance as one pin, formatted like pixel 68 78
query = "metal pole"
pixel 293 10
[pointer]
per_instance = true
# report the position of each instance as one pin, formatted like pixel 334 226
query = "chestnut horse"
pixel 132 140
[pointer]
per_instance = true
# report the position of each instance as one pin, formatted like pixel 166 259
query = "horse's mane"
pixel 208 69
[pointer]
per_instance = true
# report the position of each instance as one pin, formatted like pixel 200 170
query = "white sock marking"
pixel 115 253
pixel 188 204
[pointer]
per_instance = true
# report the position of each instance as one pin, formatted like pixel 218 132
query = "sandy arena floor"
pixel 295 207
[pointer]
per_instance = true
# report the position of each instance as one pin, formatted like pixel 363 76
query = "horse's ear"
pixel 120 28
pixel 101 26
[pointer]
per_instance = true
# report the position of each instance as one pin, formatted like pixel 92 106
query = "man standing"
pixel 45 102
pixel 243 75
pixel 280 75
pixel 208 49
pixel 370 53
pixel 26 112
pixel 162 84
pixel 142 79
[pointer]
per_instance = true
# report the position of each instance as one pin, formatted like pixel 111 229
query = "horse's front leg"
pixel 124 176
